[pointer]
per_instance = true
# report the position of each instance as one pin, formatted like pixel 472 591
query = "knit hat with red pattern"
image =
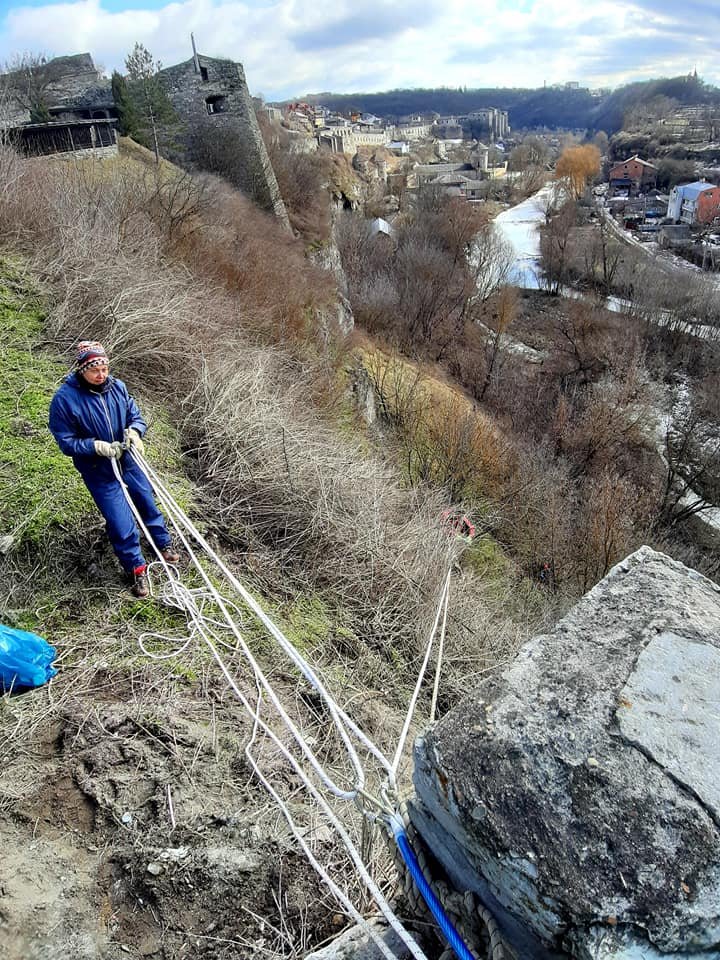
pixel 89 353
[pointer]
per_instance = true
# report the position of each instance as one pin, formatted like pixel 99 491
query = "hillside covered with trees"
pixel 541 107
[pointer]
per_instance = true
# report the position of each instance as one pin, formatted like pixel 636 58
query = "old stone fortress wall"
pixel 84 115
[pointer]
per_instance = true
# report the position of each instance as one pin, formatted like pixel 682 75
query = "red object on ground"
pixel 458 524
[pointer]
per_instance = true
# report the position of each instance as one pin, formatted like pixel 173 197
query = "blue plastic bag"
pixel 25 659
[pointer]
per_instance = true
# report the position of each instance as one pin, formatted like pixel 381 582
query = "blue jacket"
pixel 81 413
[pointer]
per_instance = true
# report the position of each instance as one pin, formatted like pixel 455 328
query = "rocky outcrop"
pixel 328 258
pixel 579 792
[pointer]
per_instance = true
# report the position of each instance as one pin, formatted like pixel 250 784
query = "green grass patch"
pixel 486 558
pixel 39 487
pixel 308 623
pixel 41 493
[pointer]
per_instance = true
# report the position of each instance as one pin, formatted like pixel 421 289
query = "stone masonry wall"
pixel 189 91
pixel 70 77
pixel 95 153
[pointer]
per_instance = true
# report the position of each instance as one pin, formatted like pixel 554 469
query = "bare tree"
pixel 691 452
pixel 26 81
pixel 507 305
pixel 556 246
pixel 597 256
pixel 490 259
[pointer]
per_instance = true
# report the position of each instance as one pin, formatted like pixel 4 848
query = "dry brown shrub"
pixel 275 476
pixel 238 245
pixel 445 439
pixel 303 181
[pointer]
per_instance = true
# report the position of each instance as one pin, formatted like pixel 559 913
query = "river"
pixel 520 227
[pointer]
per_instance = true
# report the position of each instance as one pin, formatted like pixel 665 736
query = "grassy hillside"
pixel 39 489
pixel 220 327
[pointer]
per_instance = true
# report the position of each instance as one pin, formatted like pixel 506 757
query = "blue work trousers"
pixel 122 529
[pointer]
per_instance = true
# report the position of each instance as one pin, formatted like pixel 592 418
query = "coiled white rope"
pixel 194 602
pixel 336 890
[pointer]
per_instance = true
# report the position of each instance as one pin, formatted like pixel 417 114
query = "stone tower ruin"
pixel 211 97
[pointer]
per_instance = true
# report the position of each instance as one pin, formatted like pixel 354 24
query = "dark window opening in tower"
pixel 217 104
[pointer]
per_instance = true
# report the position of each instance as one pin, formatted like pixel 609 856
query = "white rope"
pixel 340 719
pixel 185 599
pixel 421 675
pixel 345 838
pixel 176 512
pixel 337 891
pixel 441 649
pixel 178 516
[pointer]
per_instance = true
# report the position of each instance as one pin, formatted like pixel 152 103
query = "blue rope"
pixel 436 908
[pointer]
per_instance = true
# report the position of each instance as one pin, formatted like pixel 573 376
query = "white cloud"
pixel 291 47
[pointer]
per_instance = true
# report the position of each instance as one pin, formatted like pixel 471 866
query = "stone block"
pixel 578 793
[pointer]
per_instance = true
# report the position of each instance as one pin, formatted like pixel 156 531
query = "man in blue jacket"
pixel 91 416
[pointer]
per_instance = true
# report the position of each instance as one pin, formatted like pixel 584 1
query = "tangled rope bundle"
pixel 215 620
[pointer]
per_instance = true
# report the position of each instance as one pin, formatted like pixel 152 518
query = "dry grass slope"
pixel 210 310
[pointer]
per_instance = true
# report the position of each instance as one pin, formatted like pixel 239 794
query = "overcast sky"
pixel 293 47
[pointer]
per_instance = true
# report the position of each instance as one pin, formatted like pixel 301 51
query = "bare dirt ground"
pixel 92 865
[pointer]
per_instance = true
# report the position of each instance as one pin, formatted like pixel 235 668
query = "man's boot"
pixel 141 584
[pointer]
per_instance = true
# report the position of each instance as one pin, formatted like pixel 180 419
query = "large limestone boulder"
pixel 579 792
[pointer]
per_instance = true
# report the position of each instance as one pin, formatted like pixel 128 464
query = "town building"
pixel 74 97
pixel 427 172
pixel 633 175
pixel 694 203
pixel 272 113
pixel 411 131
pixel 673 235
pixel 460 185
pixel 494 121
pixel 348 137
pixel 380 228
pixel 479 156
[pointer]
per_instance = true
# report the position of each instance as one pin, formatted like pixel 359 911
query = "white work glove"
pixel 105 449
pixel 133 440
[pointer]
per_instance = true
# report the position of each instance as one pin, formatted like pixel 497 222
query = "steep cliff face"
pixel 579 792
pixel 328 257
